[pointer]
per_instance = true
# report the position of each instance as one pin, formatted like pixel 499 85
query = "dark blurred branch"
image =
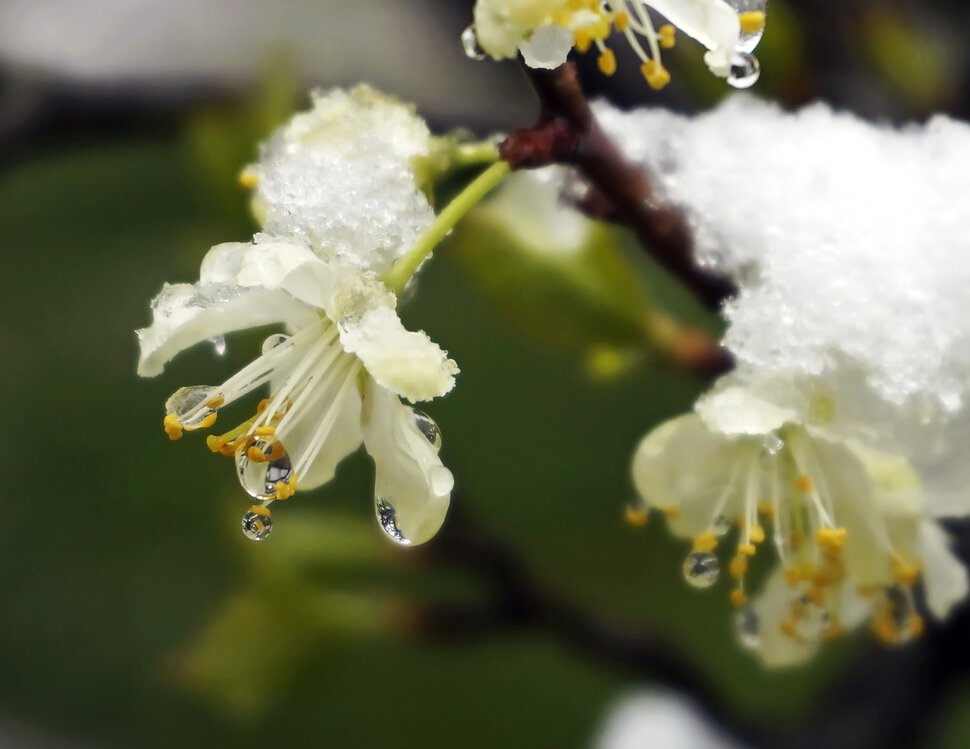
pixel 567 133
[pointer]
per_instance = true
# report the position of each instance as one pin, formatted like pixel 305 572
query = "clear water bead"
pixel 745 70
pixel 271 342
pixel 188 405
pixel 749 39
pixel 748 628
pixel 257 523
pixel 811 620
pixel 771 447
pixel 469 43
pixel 721 525
pixel 387 518
pixel 219 344
pixel 260 477
pixel 701 569
pixel 427 426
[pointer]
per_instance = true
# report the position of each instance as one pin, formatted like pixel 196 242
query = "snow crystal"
pixel 849 241
pixel 340 177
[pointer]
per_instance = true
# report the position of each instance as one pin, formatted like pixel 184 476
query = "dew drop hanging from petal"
pixel 701 569
pixel 751 15
pixel 427 426
pixel 720 526
pixel 186 402
pixel 745 70
pixel 257 523
pixel 219 344
pixel 469 43
pixel 264 469
pixel 748 628
pixel 387 518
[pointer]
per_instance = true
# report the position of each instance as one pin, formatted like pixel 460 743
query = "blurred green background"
pixel 135 613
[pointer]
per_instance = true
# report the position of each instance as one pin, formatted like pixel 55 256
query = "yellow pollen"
pixel 215 442
pixel 766 508
pixel 261 406
pixel 738 566
pixel 905 572
pixel 259 510
pixel 828 574
pixel 208 421
pixel 788 628
pixel 672 513
pixel 747 549
pixel 248 179
pixel 582 40
pixel 667 36
pixel 173 428
pixel 792 575
pixel 816 595
pixel 655 74
pixel 756 534
pixel 738 598
pixel 621 20
pixel 256 455
pixel 636 515
pixel 831 538
pixel 264 431
pixel 215 402
pixel 705 541
pixel 803 483
pixel 752 21
pixel 607 62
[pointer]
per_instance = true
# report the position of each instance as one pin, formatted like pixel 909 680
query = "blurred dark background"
pixel 134 613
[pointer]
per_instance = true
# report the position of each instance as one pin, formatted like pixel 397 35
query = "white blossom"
pixel 335 379
pixel 544 32
pixel 850 524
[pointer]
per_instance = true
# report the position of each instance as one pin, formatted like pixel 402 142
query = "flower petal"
pixel 683 466
pixel 265 262
pixel 187 314
pixel 944 576
pixel 409 475
pixel 736 411
pixel 713 23
pixel 547 48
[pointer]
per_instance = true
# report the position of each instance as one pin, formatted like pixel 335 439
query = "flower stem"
pixel 400 273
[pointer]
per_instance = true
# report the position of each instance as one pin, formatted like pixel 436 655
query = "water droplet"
pixel 219 344
pixel 271 466
pixel 185 402
pixel 257 523
pixel 811 620
pixel 701 569
pixel 469 43
pixel 721 525
pixel 752 35
pixel 427 426
pixel 636 512
pixel 771 447
pixel 748 628
pixel 271 342
pixel 387 517
pixel 745 70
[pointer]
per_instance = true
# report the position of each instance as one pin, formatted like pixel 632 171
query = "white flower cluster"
pixel 340 203
pixel 544 32
pixel 842 432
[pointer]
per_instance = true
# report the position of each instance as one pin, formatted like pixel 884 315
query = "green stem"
pixel 470 154
pixel 400 273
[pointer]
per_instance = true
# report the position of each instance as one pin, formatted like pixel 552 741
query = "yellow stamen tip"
pixel 636 515
pixel 607 62
pixel 803 483
pixel 766 508
pixel 215 402
pixel 747 549
pixel 672 513
pixel 752 21
pixel 788 628
pixel 216 443
pixel 793 575
pixel 655 74
pixel 756 534
pixel 582 41
pixel 264 431
pixel 738 566
pixel 208 421
pixel 621 20
pixel 248 179
pixel 256 455
pixel 738 598
pixel 667 35
pixel 173 428
pixel 259 510
pixel 705 541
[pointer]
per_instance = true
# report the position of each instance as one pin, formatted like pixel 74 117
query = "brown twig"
pixel 567 133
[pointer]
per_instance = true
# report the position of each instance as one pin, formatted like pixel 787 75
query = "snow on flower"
pixel 338 195
pixel 544 31
pixel 848 523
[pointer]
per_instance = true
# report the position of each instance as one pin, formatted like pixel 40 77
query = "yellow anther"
pixel 208 421
pixel 752 21
pixel 803 483
pixel 261 406
pixel 828 574
pixel 831 538
pixel 738 598
pixel 738 566
pixel 757 534
pixel 282 490
pixel 705 541
pixel 655 74
pixel 264 431
pixel 636 515
pixel 607 62
pixel 621 21
pixel 215 402
pixel 672 513
pixel 248 179
pixel 792 575
pixel 582 40
pixel 259 510
pixel 788 628
pixel 601 29
pixel 905 572
pixel 816 595
pixel 216 442
pixel 172 426
pixel 747 549
pixel 667 35
pixel 766 507
pixel 256 454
